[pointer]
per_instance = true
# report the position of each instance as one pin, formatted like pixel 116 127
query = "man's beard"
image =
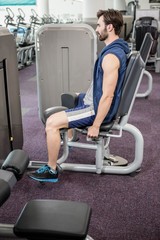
pixel 103 36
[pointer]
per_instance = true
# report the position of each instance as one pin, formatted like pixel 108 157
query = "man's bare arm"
pixel 110 67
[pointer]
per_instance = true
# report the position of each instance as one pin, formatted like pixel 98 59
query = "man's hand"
pixel 93 131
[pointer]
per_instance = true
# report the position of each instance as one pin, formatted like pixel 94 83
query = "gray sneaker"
pixel 44 174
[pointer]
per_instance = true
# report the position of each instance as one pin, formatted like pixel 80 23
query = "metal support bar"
pixel 138 157
pixel 150 83
pixel 99 167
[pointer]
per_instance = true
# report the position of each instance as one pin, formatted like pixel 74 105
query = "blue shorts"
pixel 80 116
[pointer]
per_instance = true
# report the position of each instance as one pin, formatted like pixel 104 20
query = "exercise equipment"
pixel 142 26
pixel 9 18
pixel 132 81
pixel 141 39
pixel 54 219
pixel 131 11
pixel 41 219
pixel 147 44
pixel 11 133
pixel 26 44
pixel 65 58
pixel 24 36
pixel 105 162
pixel 147 20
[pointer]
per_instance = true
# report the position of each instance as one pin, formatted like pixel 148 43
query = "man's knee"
pixel 57 121
pixel 52 121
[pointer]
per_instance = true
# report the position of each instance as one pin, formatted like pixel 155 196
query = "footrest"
pixel 16 162
pixel 53 219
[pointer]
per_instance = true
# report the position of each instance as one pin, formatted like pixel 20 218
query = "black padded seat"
pixel 53 219
pixel 104 128
pixel 4 191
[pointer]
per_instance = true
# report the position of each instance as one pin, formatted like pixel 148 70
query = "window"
pixel 17 2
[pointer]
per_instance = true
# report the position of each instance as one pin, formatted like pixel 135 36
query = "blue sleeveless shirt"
pixel 120 49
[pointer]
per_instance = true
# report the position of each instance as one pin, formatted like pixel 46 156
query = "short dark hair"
pixel 113 17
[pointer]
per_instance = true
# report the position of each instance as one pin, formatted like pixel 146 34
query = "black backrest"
pixel 135 66
pixel 146 47
pixel 132 77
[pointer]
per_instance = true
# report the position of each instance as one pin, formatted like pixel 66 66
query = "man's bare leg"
pixel 49 172
pixel 53 125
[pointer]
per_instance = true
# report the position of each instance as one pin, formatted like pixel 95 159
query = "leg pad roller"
pixel 49 111
pixel 16 162
pixel 53 219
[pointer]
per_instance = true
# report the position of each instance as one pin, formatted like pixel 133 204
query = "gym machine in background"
pixel 23 34
pixel 11 133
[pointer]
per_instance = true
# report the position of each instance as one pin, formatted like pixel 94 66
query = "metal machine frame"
pixel 134 74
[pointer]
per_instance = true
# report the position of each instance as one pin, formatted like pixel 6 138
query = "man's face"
pixel 101 29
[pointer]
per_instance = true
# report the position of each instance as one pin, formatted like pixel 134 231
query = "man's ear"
pixel 110 27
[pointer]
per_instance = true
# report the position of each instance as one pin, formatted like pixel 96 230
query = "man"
pixel 99 104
